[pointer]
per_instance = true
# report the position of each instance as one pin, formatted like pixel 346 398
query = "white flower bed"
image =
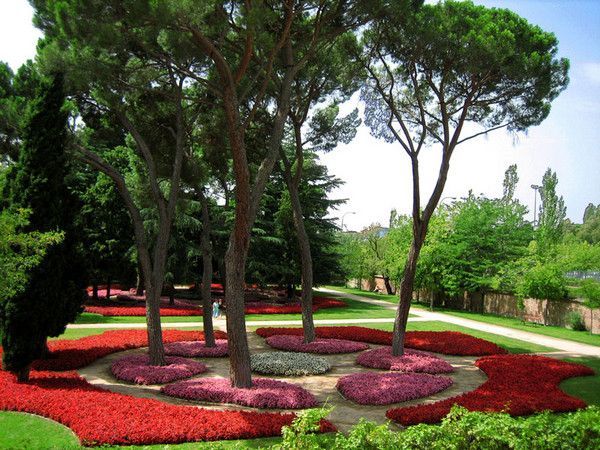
pixel 289 364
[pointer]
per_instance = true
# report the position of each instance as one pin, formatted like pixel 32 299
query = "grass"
pixel 87 318
pixel 392 298
pixel 586 388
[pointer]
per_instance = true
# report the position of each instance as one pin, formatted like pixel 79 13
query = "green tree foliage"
pixel 590 229
pixel 55 290
pixel 552 213
pixel 448 65
pixel 20 252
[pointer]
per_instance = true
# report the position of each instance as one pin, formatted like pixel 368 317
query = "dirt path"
pixel 346 413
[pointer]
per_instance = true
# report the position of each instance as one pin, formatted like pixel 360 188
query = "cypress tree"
pixel 54 293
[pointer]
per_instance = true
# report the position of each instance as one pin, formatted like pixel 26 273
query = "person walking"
pixel 215 310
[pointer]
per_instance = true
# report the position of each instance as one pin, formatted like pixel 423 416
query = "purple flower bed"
pixel 411 361
pixel 323 346
pixel 197 349
pixel 385 388
pixel 136 369
pixel 265 393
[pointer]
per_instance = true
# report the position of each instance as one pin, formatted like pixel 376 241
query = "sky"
pixel 377 175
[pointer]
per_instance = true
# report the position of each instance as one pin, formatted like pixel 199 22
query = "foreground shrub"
pixel 288 364
pixel 460 430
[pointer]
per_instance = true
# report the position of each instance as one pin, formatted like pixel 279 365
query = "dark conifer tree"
pixel 54 293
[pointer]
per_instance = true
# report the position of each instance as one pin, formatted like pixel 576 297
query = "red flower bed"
pixel 445 342
pixel 517 384
pixel 101 417
pixel 73 354
pixel 183 308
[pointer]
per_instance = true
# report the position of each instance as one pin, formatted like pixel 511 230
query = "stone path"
pixel 345 414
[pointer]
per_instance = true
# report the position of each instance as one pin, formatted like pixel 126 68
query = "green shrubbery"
pixel 459 430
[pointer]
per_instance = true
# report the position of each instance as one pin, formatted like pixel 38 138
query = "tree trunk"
pixel 388 286
pixel 95 291
pixel 207 269
pixel 23 374
pixel 306 262
pixel 406 289
pixel 156 350
pixel 108 290
pixel 139 285
pixel 240 373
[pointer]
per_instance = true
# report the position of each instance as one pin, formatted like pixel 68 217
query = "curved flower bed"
pixel 385 388
pixel 185 308
pixel 445 342
pixel 517 384
pixel 197 349
pixel 137 369
pixel 289 364
pixel 322 346
pixel 101 417
pixel 66 354
pixel 265 393
pixel 411 361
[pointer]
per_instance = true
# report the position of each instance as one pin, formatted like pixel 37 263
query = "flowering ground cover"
pixel 137 369
pixel 371 388
pixel 73 354
pixel 517 384
pixel 101 417
pixel 319 345
pixel 185 308
pixel 265 393
pixel 411 361
pixel 197 349
pixel 289 364
pixel 445 342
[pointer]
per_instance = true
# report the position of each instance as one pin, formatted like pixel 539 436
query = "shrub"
pixel 575 321
pixel 543 281
pixel 289 364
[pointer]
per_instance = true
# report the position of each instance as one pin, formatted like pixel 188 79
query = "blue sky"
pixel 377 174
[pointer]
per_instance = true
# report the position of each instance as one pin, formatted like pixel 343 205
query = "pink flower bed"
pixel 137 369
pixel 411 361
pixel 196 349
pixel 385 388
pixel 322 346
pixel 265 393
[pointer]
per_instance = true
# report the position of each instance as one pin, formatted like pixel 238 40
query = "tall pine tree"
pixel 54 293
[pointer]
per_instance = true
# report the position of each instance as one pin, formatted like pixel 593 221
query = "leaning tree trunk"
pixel 388 286
pixel 306 262
pixel 207 269
pixel 406 290
pixel 95 291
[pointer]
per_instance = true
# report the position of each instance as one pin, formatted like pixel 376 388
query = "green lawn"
pixel 374 295
pixel 586 388
pixel 99 318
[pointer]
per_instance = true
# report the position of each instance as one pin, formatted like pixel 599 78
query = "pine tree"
pixel 54 292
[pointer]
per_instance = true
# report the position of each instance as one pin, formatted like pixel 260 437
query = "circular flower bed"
pixel 290 364
pixel 323 346
pixel 385 388
pixel 411 361
pixel 265 393
pixel 197 349
pixel 137 369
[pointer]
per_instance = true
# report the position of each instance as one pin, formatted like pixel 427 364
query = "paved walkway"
pixel 563 345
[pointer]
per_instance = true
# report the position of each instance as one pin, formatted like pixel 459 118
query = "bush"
pixel 575 322
pixel 543 281
pixel 461 429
